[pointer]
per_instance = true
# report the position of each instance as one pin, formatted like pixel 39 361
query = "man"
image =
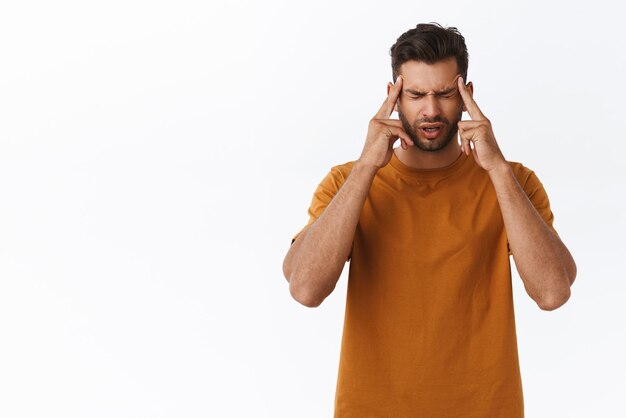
pixel 428 228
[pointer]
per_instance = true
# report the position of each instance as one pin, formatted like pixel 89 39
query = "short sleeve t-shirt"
pixel 429 328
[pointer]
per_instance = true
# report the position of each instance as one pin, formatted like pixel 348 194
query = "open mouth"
pixel 431 132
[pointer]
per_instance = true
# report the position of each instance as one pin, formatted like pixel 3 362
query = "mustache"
pixel 434 120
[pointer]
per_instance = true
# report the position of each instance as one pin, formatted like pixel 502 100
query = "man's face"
pixel 430 96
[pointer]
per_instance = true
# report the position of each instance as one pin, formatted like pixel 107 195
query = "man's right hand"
pixel 383 132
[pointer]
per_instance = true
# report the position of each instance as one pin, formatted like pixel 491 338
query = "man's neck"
pixel 416 158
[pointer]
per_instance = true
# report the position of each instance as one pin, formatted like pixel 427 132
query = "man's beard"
pixel 449 131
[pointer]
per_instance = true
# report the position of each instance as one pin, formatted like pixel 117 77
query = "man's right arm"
pixel 316 259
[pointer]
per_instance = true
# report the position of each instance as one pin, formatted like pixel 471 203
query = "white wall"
pixel 157 157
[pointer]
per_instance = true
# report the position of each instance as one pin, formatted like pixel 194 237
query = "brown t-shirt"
pixel 429 327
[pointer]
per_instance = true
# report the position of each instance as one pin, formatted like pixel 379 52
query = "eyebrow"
pixel 441 91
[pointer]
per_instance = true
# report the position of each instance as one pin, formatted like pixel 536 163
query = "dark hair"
pixel 430 43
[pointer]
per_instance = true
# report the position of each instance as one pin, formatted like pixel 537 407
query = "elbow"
pixel 296 289
pixel 560 289
pixel 286 269
pixel 549 306
pixel 570 267
pixel 553 302
pixel 309 290
pixel 302 297
pixel 572 273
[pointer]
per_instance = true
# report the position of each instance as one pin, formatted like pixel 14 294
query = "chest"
pixel 433 220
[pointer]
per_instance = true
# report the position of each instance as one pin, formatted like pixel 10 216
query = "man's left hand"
pixel 478 130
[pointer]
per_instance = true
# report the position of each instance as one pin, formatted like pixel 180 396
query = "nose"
pixel 430 107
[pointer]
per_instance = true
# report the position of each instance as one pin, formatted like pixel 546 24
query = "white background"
pixel 157 157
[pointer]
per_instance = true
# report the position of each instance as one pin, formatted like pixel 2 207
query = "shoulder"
pixel 527 178
pixel 522 172
pixel 338 173
pixel 343 169
pixel 335 177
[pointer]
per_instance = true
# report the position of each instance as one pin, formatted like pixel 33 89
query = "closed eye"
pixel 445 95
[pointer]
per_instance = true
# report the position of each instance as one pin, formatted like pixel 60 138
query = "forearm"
pixel 320 254
pixel 544 263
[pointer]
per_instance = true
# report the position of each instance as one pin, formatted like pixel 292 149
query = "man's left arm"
pixel 543 262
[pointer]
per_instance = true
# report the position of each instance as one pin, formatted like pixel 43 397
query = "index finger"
pixel 472 107
pixel 387 108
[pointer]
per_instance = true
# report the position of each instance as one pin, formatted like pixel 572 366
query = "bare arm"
pixel 544 263
pixel 316 259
